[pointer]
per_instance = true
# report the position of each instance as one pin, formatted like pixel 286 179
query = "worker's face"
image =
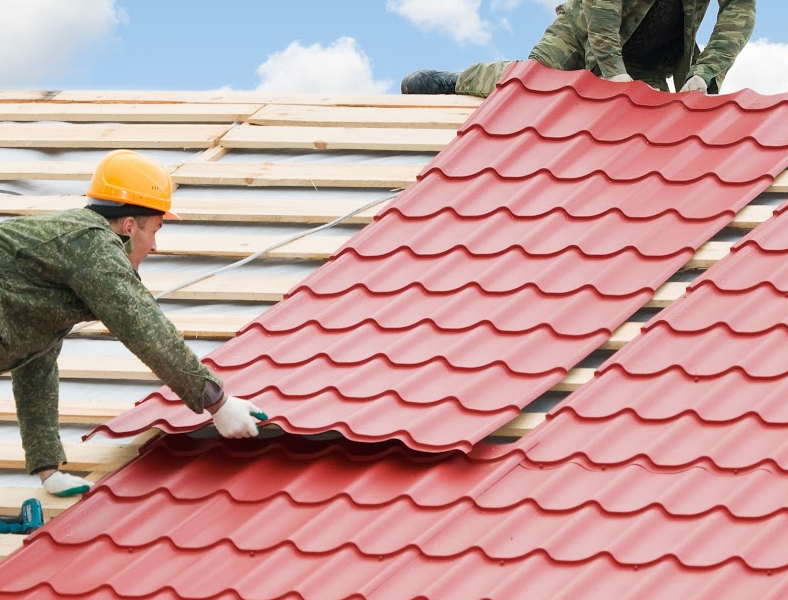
pixel 142 231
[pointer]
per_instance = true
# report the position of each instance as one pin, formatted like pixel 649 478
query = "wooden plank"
pixel 361 116
pixel 204 327
pixel 11 500
pixel 101 135
pixel 238 97
pixel 224 287
pixel 255 137
pixel 127 113
pixel 9 543
pixel 666 294
pixel 83 412
pixel 88 456
pixel 312 175
pixel 218 209
pixel 236 246
pixel 520 425
pixel 62 170
pixel 229 208
pixel 780 184
pixel 129 368
pixel 27 95
pixel 709 254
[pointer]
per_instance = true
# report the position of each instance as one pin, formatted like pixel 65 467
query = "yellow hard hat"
pixel 131 178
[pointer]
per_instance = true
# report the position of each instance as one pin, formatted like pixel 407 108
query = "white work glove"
pixel 696 83
pixel 63 484
pixel 621 78
pixel 234 418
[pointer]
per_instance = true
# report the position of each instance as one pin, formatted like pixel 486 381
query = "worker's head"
pixel 134 193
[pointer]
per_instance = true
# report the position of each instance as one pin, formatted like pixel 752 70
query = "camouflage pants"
pixel 559 49
pixel 37 411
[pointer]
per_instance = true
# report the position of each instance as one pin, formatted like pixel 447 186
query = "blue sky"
pixel 348 46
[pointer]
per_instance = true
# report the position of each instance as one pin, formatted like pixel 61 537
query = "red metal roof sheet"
pixel 336 520
pixel 521 248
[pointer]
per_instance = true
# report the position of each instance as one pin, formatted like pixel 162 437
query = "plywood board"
pixel 362 116
pixel 256 137
pixel 310 175
pixel 101 135
pixel 126 113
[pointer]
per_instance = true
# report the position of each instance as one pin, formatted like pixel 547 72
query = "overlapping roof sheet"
pixel 562 205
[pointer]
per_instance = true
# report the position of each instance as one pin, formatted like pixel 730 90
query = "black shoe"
pixel 428 81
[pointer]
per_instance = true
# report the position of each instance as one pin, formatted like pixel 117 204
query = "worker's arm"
pixel 604 36
pixel 735 23
pixel 35 386
pixel 106 282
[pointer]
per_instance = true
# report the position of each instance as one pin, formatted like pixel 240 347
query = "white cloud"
pixel 761 66
pixel 459 19
pixel 341 68
pixel 40 39
pixel 512 4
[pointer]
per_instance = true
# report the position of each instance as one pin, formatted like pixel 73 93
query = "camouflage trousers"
pixel 38 412
pixel 559 49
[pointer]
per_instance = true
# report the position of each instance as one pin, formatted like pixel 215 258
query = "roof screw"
pixel 736 471
pixel 696 379
pixel 541 466
pixel 502 563
pixel 769 573
pixel 604 467
pixel 130 550
pixel 251 554
pixel 636 567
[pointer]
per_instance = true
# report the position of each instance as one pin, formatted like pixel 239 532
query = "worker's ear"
pixel 127 225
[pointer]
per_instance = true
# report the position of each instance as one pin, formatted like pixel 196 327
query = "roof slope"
pixel 562 205
pixel 648 482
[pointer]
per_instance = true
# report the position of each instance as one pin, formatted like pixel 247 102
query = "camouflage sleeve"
pixel 114 293
pixel 35 387
pixel 604 35
pixel 735 23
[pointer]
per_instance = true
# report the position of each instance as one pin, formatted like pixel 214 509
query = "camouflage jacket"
pixel 57 270
pixel 604 26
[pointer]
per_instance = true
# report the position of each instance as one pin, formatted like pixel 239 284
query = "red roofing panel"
pixel 525 243
pixel 332 520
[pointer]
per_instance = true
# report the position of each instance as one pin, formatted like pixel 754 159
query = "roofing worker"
pixel 79 265
pixel 621 40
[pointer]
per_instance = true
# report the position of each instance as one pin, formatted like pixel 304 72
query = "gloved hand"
pixel 696 83
pixel 63 484
pixel 620 78
pixel 234 418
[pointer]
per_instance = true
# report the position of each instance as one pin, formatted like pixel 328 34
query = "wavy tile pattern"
pixel 561 206
pixel 287 518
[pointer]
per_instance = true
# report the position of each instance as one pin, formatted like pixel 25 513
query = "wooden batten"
pixel 360 116
pixel 95 457
pixel 306 175
pixel 80 412
pixel 127 112
pixel 103 135
pixel 255 137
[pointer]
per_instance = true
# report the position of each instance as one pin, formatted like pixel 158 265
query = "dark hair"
pixel 123 210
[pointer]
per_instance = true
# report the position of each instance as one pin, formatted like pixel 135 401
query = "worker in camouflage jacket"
pixel 621 40
pixel 80 265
